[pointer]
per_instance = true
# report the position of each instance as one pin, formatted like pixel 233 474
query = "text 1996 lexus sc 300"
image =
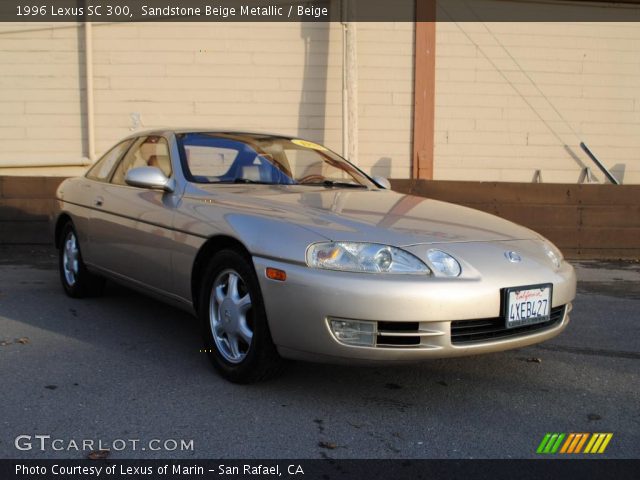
pixel 285 250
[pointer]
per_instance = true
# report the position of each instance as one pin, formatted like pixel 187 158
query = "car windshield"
pixel 264 159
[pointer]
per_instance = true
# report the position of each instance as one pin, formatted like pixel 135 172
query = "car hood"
pixel 379 216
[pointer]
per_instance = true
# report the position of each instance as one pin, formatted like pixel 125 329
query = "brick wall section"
pixel 584 221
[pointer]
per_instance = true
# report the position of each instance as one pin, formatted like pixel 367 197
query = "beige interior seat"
pixel 251 172
pixel 163 162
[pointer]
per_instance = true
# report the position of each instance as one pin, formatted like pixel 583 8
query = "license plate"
pixel 527 305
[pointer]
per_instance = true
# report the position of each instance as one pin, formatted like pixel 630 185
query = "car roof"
pixel 164 131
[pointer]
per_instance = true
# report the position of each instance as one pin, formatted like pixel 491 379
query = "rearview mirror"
pixel 149 177
pixel 382 182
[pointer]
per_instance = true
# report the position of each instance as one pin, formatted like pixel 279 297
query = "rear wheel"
pixel 76 280
pixel 234 322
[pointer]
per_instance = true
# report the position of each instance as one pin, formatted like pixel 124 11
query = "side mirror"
pixel 382 182
pixel 149 177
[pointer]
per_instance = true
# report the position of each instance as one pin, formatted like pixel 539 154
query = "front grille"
pixel 472 331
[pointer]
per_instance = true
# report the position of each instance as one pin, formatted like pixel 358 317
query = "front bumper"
pixel 299 309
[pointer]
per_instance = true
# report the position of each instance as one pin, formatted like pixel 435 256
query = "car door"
pixel 97 175
pixel 130 228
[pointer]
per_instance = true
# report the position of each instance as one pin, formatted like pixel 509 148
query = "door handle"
pixel 99 201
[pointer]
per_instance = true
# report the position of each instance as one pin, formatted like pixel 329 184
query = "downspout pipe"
pixel 88 60
pixel 345 96
pixel 349 85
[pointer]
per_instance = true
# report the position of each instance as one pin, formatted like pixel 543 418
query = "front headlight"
pixel 444 263
pixel 552 253
pixel 364 257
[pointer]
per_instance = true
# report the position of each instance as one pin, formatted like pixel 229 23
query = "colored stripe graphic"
pixel 572 443
pixel 592 440
pixel 543 443
pixel 550 443
pixel 556 446
pixel 568 442
pixel 581 443
pixel 605 443
pixel 598 443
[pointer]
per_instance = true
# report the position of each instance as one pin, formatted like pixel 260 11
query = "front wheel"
pixel 234 322
pixel 76 280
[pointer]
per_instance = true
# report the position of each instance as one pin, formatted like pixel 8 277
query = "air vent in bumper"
pixel 403 334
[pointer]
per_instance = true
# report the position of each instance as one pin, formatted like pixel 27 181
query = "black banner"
pixel 318 11
pixel 327 469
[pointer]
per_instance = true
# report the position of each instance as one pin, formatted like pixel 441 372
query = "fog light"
pixel 353 332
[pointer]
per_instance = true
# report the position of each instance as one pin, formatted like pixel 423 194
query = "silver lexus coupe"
pixel 284 250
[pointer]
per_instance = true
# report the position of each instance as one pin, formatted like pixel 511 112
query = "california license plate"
pixel 527 305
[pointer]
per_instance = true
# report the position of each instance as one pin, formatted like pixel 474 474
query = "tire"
pixel 76 280
pixel 234 323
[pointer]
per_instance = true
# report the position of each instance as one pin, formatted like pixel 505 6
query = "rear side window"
pixel 151 151
pixel 103 167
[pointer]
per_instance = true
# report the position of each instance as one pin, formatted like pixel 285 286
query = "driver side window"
pixel 102 168
pixel 150 151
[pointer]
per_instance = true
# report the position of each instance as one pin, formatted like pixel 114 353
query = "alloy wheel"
pixel 229 310
pixel 70 256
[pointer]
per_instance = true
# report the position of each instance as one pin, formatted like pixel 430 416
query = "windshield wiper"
pixel 247 180
pixel 333 183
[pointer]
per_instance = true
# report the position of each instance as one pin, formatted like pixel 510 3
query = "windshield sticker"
pixel 306 144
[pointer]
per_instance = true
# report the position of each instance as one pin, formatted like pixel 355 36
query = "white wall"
pixel 41 97
pixel 282 78
pixel 510 96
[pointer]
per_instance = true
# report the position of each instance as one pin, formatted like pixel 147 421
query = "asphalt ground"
pixel 124 367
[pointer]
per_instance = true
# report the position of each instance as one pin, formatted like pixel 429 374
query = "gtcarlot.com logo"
pixel 46 442
pixel 574 443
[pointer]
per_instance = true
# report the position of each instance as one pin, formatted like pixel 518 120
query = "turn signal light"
pixel 275 274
